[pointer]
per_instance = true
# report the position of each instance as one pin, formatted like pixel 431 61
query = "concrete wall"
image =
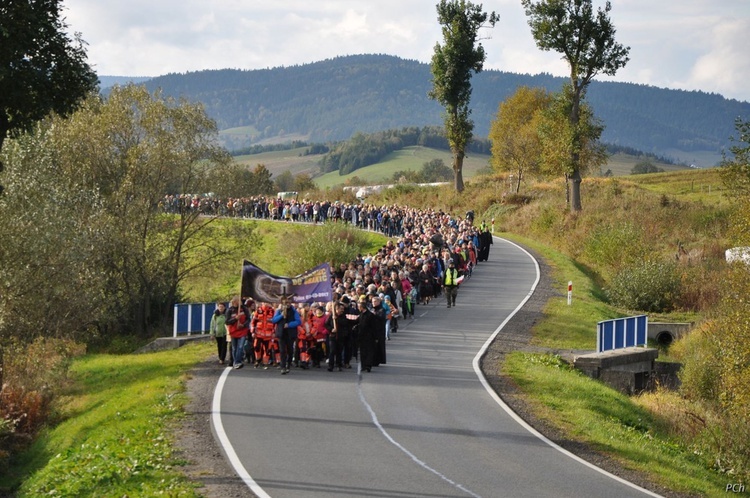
pixel 664 333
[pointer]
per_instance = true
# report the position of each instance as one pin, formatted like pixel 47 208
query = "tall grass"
pixel 115 435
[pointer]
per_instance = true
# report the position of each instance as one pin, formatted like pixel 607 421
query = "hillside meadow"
pixel 406 159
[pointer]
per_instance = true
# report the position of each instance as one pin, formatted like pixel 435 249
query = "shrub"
pixel 334 243
pixel 649 286
pixel 30 383
pixel 700 374
pixel 613 247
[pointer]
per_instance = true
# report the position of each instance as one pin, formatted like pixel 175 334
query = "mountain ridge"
pixel 332 99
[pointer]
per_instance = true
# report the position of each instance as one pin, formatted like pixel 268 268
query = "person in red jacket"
pixel 305 340
pixel 238 325
pixel 264 333
pixel 320 327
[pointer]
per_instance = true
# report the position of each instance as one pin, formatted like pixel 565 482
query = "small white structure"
pixel 741 254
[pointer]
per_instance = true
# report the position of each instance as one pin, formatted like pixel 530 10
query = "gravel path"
pixel 210 469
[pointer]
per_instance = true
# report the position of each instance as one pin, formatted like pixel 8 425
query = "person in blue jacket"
pixel 286 319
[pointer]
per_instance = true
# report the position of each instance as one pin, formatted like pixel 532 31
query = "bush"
pixel 649 286
pixel 700 374
pixel 30 383
pixel 334 243
pixel 613 247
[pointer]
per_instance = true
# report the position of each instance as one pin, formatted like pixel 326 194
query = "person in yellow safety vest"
pixel 450 283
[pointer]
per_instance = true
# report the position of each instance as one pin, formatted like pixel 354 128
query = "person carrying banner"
pixel 338 338
pixel 286 320
pixel 238 325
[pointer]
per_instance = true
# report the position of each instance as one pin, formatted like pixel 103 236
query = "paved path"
pixel 424 425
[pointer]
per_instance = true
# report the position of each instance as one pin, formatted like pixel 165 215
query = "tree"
pixel 261 181
pixel 41 69
pixel 588 46
pixel 49 228
pixel 645 166
pixel 304 183
pixel 284 181
pixel 435 171
pixel 452 66
pixel 516 144
pixel 558 137
pixel 132 148
pixel 736 170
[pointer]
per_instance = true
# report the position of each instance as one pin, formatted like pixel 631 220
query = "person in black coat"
pixel 380 337
pixel 366 325
pixel 485 241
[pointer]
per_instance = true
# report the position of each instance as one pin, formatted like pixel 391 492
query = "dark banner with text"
pixel 312 286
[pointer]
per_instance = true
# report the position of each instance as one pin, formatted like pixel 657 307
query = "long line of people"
pixel 370 295
pixel 393 221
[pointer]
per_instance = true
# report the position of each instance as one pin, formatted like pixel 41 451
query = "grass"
pixel 406 159
pixel 622 164
pixel 283 160
pixel 589 411
pixel 115 435
pixel 693 185
pixel 611 423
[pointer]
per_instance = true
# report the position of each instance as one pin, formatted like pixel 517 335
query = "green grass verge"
pixel 574 326
pixel 587 410
pixel 114 438
pixel 610 422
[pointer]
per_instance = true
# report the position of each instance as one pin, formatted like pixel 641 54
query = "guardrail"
pixel 192 318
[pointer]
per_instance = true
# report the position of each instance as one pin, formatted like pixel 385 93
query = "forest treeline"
pixel 332 100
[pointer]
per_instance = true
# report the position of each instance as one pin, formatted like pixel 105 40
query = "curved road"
pixel 424 425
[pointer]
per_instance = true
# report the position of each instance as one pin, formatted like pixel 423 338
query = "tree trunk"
pixel 575 192
pixel 575 177
pixel 458 167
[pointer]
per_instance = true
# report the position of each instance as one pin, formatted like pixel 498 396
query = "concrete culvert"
pixel 664 338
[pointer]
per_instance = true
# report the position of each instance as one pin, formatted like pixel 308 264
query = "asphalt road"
pixel 426 424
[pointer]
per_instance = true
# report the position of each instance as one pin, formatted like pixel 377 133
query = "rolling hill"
pixel 331 100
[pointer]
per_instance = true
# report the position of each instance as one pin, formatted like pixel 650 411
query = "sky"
pixel 686 45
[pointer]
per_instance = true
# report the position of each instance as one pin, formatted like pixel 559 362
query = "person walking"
pixel 379 328
pixel 218 331
pixel 366 330
pixel 238 325
pixel 450 283
pixel 286 319
pixel 338 337
pixel 264 332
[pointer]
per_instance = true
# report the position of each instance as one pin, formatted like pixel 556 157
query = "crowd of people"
pixel 428 255
pixel 393 221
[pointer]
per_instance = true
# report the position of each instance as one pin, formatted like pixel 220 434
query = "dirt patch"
pixel 209 468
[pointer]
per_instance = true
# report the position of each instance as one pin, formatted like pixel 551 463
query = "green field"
pixel 409 158
pixel 622 164
pixel 283 160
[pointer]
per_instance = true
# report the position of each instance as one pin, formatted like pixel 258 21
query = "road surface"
pixel 426 424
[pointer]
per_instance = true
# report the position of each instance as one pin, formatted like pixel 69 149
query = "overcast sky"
pixel 687 44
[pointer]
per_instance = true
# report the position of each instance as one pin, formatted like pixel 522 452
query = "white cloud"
pixel 693 44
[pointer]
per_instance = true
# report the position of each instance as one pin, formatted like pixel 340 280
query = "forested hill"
pixel 333 99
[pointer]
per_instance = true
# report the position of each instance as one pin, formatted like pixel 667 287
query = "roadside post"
pixel 570 292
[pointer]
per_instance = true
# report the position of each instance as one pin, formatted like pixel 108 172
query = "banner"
pixel 311 286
